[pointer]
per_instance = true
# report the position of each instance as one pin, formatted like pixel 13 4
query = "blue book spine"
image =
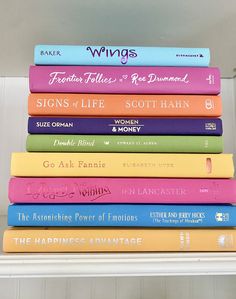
pixel 121 126
pixel 127 55
pixel 126 215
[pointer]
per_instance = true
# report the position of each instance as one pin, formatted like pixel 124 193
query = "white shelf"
pixel 114 265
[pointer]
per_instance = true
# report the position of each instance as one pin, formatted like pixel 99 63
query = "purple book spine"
pixel 120 126
pixel 125 79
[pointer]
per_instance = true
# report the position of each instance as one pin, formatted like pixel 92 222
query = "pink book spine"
pixel 119 190
pixel 123 79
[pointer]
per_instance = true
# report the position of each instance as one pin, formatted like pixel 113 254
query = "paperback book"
pixel 108 143
pixel 120 55
pixel 118 240
pixel 135 215
pixel 124 79
pixel 126 105
pixel 122 165
pixel 125 126
pixel 121 190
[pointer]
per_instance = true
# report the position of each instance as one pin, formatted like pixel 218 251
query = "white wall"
pixel 13 128
pixel 203 287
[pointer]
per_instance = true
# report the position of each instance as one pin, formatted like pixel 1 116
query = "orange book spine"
pixel 124 105
pixel 117 240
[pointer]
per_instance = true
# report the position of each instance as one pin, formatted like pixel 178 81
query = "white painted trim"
pixel 115 265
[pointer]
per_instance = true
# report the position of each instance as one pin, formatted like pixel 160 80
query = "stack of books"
pixel 124 154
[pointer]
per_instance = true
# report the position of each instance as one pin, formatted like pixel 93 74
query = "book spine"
pixel 119 190
pixel 129 80
pixel 117 240
pixel 126 105
pixel 108 143
pixel 135 215
pixel 118 55
pixel 122 165
pixel 124 126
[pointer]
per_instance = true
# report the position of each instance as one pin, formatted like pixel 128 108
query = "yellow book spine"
pixel 122 165
pixel 117 240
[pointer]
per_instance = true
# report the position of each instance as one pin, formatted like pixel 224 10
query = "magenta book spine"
pixel 120 190
pixel 124 79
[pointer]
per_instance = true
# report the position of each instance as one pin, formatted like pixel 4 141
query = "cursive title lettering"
pixel 136 79
pixel 86 78
pixel 123 54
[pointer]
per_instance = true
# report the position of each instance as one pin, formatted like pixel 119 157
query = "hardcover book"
pixel 124 126
pixel 124 79
pixel 121 190
pixel 108 143
pixel 135 215
pixel 118 240
pixel 126 105
pixel 122 165
pixel 120 55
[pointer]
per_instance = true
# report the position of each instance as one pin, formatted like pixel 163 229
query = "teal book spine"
pixel 120 55
pixel 124 143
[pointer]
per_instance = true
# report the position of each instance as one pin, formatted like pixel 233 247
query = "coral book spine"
pixel 125 105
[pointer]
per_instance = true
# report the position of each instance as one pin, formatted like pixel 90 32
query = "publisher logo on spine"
pixel 182 55
pixel 209 104
pixel 210 126
pixel 222 217
pixel 184 238
pixel 225 241
pixel 211 79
